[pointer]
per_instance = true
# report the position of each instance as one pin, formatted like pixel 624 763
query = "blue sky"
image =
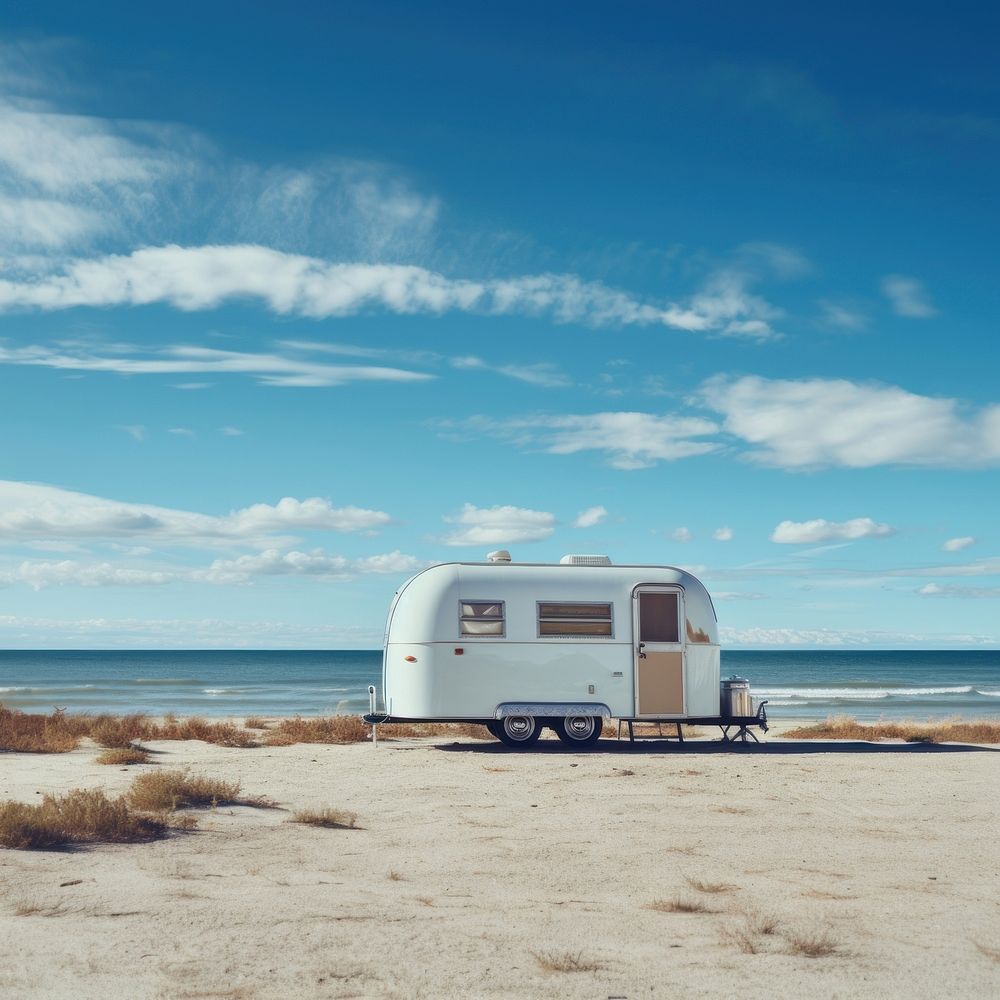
pixel 295 299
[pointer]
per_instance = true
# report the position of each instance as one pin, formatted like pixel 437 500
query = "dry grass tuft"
pixel 26 909
pixel 566 961
pixel 846 727
pixel 77 817
pixel 166 791
pixel 760 923
pixel 124 755
pixel 394 876
pixel 993 954
pixel 353 729
pixel 61 732
pixel 256 722
pixel 711 888
pixel 337 819
pixel 678 904
pixel 811 944
pixel 22 732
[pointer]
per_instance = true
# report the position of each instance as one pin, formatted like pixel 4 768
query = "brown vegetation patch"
pixel 166 791
pixel 353 729
pixel 337 819
pixel 23 732
pixel 124 755
pixel 61 732
pixel 677 904
pixel 991 953
pixel 79 816
pixel 566 961
pixel 811 944
pixel 712 888
pixel 846 727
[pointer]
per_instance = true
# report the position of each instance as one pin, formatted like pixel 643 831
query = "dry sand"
pixel 479 872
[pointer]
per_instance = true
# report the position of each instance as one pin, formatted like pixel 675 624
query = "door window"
pixel 658 617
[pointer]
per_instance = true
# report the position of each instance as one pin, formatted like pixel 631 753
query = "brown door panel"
pixel 661 684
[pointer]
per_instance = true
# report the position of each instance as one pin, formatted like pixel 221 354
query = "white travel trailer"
pixel 522 646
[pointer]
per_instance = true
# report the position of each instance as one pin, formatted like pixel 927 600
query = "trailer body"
pixel 483 642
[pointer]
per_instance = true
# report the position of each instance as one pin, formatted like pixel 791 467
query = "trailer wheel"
pixel 579 730
pixel 518 730
pixel 493 728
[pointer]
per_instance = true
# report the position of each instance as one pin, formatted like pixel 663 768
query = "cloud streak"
pixel 29 511
pixel 821 530
pixel 193 278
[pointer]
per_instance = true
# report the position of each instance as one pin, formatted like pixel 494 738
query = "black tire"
pixel 579 731
pixel 518 731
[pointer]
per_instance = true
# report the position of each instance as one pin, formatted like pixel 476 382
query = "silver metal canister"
pixel 734 697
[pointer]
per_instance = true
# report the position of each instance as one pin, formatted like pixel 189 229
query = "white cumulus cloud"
pixel 821 530
pixel 810 423
pixel 589 517
pixel 957 544
pixel 723 534
pixel 682 535
pixel 499 525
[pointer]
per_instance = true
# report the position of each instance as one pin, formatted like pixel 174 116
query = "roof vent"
pixel 500 556
pixel 585 560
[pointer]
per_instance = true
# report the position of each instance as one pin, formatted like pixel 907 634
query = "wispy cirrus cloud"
pixel 316 563
pixel 268 368
pixel 30 511
pixel 39 574
pixel 956 590
pixel 627 440
pixel 907 296
pixel 544 375
pixel 205 277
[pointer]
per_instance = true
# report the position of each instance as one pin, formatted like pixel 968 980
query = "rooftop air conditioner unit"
pixel 585 560
pixel 500 556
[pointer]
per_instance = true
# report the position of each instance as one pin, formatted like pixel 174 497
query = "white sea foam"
pixel 859 694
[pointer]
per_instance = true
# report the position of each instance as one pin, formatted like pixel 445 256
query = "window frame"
pixel 466 618
pixel 609 618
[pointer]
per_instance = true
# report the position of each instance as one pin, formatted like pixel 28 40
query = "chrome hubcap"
pixel 518 727
pixel 580 727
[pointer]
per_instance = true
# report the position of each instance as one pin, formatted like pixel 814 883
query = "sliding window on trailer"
pixel 575 620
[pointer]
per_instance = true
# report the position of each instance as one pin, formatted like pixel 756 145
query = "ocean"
pixel 800 684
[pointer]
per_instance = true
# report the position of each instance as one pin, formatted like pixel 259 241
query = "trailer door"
pixel 659 651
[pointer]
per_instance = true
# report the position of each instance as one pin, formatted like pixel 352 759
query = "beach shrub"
pixel 124 756
pixel 846 727
pixel 165 791
pixel 79 816
pixel 339 819
pixel 24 732
pixel 566 961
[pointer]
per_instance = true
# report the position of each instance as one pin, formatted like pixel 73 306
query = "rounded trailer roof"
pixel 425 608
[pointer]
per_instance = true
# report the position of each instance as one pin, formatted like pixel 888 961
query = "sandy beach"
pixel 791 869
